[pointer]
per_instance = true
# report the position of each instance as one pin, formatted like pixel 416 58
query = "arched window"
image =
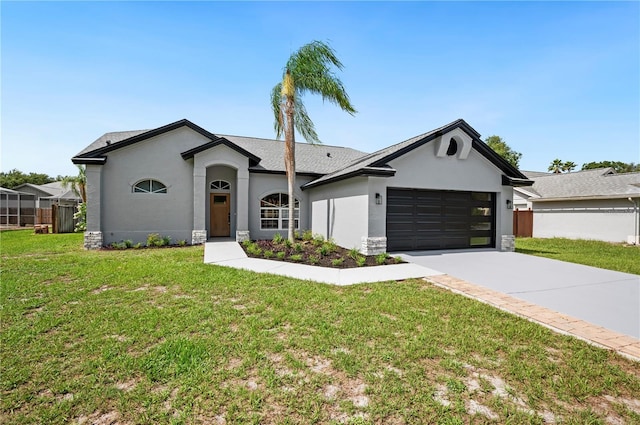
pixel 149 186
pixel 274 212
pixel 219 185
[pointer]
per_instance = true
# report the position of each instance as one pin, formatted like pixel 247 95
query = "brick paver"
pixel 558 322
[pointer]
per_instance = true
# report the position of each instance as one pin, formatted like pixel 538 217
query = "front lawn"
pixel 611 256
pixel 156 336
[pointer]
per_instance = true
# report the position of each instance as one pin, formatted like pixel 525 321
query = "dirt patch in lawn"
pixel 323 254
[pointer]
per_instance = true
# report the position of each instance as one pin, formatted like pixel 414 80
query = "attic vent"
pixel 453 147
pixel 108 142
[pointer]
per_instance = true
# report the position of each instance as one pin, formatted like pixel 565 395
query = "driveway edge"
pixel 624 345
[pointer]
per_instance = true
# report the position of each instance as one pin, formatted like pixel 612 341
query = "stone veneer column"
pixel 373 246
pixel 199 232
pixel 93 236
pixel 242 206
pixel 508 243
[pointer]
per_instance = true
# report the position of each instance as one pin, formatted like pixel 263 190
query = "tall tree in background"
pixel 308 70
pixel 16 177
pixel 500 146
pixel 618 166
pixel 569 166
pixel 556 166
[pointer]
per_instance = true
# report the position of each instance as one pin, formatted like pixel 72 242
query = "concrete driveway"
pixel 602 297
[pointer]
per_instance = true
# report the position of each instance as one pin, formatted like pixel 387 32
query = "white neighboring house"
pixel 592 204
pixel 444 189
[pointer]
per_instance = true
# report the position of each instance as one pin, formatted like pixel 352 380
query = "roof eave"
pixel 93 160
pixel 215 142
pixel 515 182
pixel 589 198
pixel 362 172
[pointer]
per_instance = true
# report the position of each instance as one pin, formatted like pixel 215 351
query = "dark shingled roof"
pixel 587 184
pixel 329 163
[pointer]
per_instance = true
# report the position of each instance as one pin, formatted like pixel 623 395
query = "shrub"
pixel 81 216
pixel 296 257
pixel 154 239
pixel 318 240
pixel 267 254
pixel 314 259
pixel 398 259
pixel 381 258
pixel 247 242
pixel 182 242
pixel 307 235
pixel 323 250
pixel 280 255
pixel 337 262
pixel 354 254
pixel 361 261
pixel 128 243
pixel 118 245
pixel 297 247
pixel 137 246
pixel 254 249
pixel 277 238
pixel 297 235
pixel 287 243
pixel 166 240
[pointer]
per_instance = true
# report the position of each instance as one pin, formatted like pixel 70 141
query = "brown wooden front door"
pixel 220 217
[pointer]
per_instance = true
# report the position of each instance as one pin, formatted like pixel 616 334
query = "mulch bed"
pixel 309 250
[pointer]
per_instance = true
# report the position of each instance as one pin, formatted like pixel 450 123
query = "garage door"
pixel 419 219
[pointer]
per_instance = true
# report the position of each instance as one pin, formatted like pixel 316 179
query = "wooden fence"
pixel 62 219
pixel 43 216
pixel 523 223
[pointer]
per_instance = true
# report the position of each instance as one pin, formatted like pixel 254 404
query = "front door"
pixel 220 220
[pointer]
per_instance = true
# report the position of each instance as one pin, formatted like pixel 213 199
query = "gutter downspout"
pixel 636 220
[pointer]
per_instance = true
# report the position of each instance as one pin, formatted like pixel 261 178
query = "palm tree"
pixel 307 70
pixel 556 166
pixel 78 183
pixel 569 166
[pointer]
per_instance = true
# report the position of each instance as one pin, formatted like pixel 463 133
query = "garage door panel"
pixel 430 219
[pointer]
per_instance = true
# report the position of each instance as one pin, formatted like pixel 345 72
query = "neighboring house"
pixel 50 193
pixel 16 208
pixel 592 204
pixel 441 190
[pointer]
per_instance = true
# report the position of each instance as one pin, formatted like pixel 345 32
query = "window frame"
pixel 278 212
pixel 163 190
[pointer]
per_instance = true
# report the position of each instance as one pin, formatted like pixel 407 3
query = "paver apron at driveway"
pixel 602 297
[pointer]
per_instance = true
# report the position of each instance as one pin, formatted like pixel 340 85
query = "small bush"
pixel 287 243
pixel 182 242
pixel 118 245
pixel 361 261
pixel 313 259
pixel 254 249
pixel 297 235
pixel 297 247
pixel 318 240
pixel 128 243
pixel 337 262
pixel 354 254
pixel 381 258
pixel 277 238
pixel 323 250
pixel 398 259
pixel 247 242
pixel 296 257
pixel 280 255
pixel 137 246
pixel 307 235
pixel 154 239
pixel 166 240
pixel 267 254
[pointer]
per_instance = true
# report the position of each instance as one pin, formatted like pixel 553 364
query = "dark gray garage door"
pixel 419 219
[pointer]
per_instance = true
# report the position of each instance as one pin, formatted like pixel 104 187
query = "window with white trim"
pixel 149 186
pixel 274 212
pixel 219 185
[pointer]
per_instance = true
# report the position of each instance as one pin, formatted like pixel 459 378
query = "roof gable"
pixel 377 163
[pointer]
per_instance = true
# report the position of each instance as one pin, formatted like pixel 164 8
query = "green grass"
pixel 618 257
pixel 156 336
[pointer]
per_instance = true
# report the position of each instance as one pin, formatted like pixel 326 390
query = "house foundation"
pixel 373 246
pixel 198 237
pixel 508 243
pixel 93 240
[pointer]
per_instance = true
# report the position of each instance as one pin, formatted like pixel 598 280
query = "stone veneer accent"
pixel 198 237
pixel 508 243
pixel 92 240
pixel 373 246
pixel 242 235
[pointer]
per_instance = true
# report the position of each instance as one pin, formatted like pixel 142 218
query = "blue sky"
pixel 553 79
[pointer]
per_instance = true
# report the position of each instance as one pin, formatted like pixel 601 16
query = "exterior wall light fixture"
pixel 378 199
pixel 509 204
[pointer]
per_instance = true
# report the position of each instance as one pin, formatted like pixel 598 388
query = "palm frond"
pixel 304 125
pixel 276 106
